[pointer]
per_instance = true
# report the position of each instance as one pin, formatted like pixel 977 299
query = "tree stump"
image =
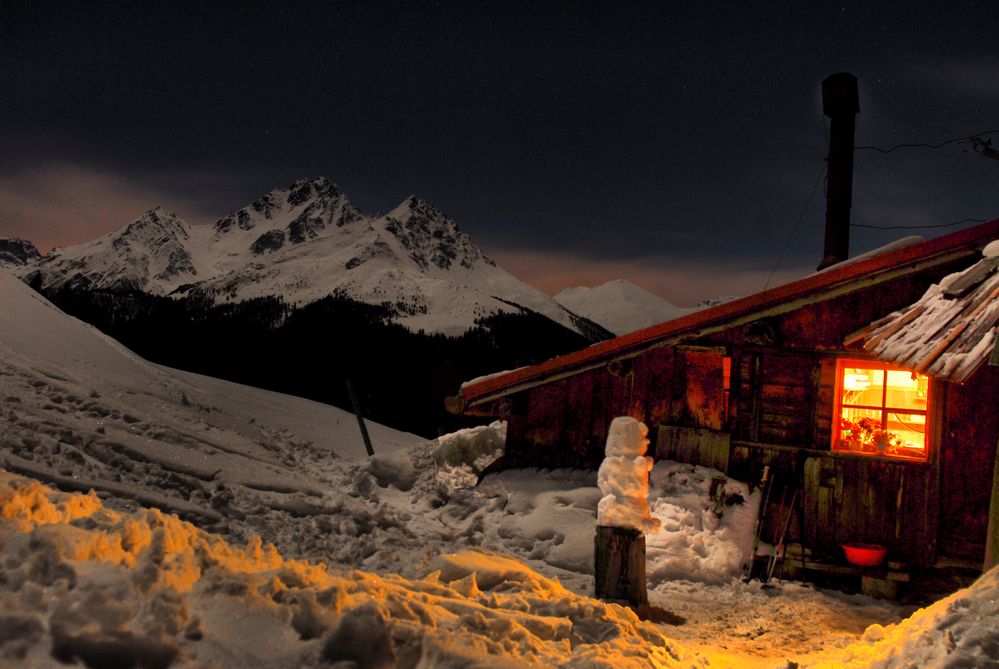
pixel 619 560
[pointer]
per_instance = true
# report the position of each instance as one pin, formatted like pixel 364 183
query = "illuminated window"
pixel 880 410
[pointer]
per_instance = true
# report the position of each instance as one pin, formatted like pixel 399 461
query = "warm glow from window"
pixel 880 410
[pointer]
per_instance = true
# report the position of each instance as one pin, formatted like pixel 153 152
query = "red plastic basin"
pixel 864 555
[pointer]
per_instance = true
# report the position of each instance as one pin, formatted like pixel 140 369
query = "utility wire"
pixel 797 223
pixel 925 146
pixel 917 227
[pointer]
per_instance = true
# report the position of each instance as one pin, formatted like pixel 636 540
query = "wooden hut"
pixel 865 387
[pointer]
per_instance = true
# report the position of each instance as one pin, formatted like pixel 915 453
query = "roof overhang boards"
pixel 949 333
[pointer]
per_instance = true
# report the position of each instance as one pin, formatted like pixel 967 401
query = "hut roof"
pixel 950 331
pixel 837 280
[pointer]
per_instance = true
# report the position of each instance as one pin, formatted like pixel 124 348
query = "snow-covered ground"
pixel 306 553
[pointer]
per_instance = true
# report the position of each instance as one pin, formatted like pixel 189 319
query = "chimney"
pixel 841 104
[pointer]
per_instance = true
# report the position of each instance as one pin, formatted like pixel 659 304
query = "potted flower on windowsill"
pixel 867 436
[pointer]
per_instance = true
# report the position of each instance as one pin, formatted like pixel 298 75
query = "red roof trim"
pixel 971 238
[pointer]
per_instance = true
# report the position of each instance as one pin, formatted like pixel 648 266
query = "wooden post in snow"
pixel 360 419
pixel 623 514
pixel 619 560
pixel 992 535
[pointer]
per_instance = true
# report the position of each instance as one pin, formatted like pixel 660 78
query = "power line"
pixel 917 227
pixel 925 146
pixel 797 223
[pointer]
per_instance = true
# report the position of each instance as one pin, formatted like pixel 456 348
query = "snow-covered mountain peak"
pixel 619 305
pixel 430 237
pixel 15 252
pixel 302 243
pixel 149 254
pixel 154 223
pixel 295 214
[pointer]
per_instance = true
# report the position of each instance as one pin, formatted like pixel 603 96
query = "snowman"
pixel 624 478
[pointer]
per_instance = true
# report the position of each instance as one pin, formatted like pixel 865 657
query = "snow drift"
pixel 146 589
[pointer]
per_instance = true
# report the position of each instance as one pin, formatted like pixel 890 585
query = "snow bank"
pixel 459 457
pixel 81 581
pixel 624 478
pixel 474 446
pixel 701 539
pixel 958 631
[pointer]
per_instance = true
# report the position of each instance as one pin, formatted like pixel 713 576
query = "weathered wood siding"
pixel 564 423
pixel 846 498
pixel 708 448
pixel 775 397
pixel 969 433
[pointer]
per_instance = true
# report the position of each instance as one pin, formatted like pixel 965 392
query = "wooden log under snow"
pixel 619 561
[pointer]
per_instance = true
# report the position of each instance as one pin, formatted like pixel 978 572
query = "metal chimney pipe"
pixel 841 103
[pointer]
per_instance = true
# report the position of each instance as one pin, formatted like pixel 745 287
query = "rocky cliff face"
pixel 16 252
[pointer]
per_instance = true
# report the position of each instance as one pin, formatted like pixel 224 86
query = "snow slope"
pixel 78 404
pixel 302 243
pixel 619 306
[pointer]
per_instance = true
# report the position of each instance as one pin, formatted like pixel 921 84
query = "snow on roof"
pixel 899 243
pixel 949 332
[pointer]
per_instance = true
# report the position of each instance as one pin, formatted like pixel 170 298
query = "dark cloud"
pixel 622 134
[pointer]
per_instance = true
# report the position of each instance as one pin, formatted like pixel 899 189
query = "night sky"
pixel 672 144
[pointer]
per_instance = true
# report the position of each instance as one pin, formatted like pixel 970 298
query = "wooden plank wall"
pixel 709 448
pixel 847 499
pixel 783 419
pixel 969 433
pixel 775 397
pixel 564 423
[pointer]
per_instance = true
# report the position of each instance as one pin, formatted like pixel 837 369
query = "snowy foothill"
pixel 619 306
pixel 233 527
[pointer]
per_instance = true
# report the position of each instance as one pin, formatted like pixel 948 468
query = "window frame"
pixel 838 405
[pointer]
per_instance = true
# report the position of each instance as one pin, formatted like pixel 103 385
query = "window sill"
pixel 845 455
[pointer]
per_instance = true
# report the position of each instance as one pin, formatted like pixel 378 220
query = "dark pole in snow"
pixel 360 419
pixel 841 103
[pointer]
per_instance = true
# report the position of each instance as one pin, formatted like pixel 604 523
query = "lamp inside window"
pixel 880 410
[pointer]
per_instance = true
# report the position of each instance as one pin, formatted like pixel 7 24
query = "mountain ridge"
pixel 301 243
